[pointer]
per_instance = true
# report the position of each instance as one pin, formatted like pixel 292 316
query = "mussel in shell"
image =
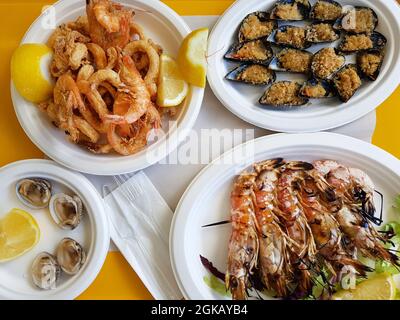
pixel 326 10
pixel 256 25
pixel 254 74
pixel 45 271
pixel 255 51
pixel 326 62
pixel 346 82
pixel 66 210
pixel 292 60
pixel 353 43
pixel 369 63
pixel 358 20
pixel 317 89
pixel 283 94
pixel 322 32
pixel 34 192
pixel 290 36
pixel 70 256
pixel 291 10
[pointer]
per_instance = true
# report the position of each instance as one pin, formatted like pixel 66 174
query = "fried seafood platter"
pixel 106 74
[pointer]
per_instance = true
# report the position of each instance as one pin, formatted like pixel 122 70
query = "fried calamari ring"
pixel 85 128
pixel 99 55
pixel 85 72
pixel 137 30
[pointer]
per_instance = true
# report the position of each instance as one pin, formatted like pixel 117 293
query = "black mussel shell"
pixel 320 70
pixel 378 42
pixel 292 60
pixel 243 52
pixel 348 23
pixel 278 12
pixel 290 98
pixel 248 28
pixel 367 68
pixel 344 92
pixel 300 43
pixel 254 74
pixel 317 89
pixel 322 32
pixel 332 12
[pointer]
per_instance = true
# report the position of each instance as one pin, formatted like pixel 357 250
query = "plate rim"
pixel 326 139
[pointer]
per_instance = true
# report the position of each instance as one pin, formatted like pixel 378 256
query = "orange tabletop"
pixel 117 280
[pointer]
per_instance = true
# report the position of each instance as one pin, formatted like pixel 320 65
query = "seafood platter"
pixel 309 217
pixel 103 114
pixel 322 61
pixel 55 228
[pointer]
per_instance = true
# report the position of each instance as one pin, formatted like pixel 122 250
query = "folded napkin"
pixel 140 223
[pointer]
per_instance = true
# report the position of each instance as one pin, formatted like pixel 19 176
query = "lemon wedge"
pixel 29 72
pixel 381 287
pixel 192 57
pixel 172 88
pixel 19 233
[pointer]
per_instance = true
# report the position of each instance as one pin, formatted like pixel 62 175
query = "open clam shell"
pixel 291 37
pixel 253 74
pixel 256 25
pixel 255 51
pixel 66 210
pixel 70 256
pixel 326 62
pixel 34 192
pixel 45 271
pixel 283 94
pixel 317 89
pixel 322 32
pixel 291 10
pixel 358 20
pixel 347 81
pixel 326 10
pixel 369 63
pixel 292 60
pixel 353 43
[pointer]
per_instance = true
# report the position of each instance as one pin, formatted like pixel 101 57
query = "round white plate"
pixel 207 200
pixel 322 114
pixel 92 233
pixel 162 25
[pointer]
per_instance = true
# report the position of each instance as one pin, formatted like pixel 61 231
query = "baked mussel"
pixel 256 25
pixel 292 60
pixel 253 74
pixel 256 51
pixel 369 63
pixel 326 10
pixel 346 82
pixel 353 43
pixel 322 32
pixel 291 10
pixel 317 89
pixel 326 62
pixel 358 20
pixel 290 36
pixel 283 94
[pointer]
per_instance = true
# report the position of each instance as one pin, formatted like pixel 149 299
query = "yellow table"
pixel 117 280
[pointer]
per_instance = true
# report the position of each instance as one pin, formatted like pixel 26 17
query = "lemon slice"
pixel 192 57
pixel 380 287
pixel 29 72
pixel 19 233
pixel 172 88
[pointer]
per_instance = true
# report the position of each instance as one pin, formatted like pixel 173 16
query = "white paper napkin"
pixel 140 222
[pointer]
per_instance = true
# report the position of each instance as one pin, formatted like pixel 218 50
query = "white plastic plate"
pixel 92 233
pixel 163 26
pixel 321 114
pixel 207 200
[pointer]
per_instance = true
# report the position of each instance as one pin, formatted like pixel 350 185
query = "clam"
pixel 34 192
pixel 253 74
pixel 291 10
pixel 256 25
pixel 358 20
pixel 70 256
pixel 292 60
pixel 322 32
pixel 283 94
pixel 290 36
pixel 326 10
pixel 347 81
pixel 369 63
pixel 66 210
pixel 317 89
pixel 45 271
pixel 255 51
pixel 353 43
